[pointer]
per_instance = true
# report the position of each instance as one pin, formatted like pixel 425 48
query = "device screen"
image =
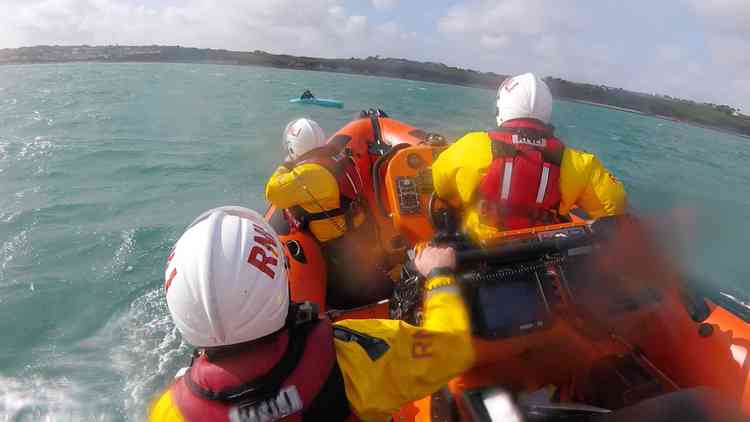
pixel 511 306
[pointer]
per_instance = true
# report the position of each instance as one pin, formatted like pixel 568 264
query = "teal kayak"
pixel 323 102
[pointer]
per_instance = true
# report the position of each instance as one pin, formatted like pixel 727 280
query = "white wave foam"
pixel 38 117
pixel 117 371
pixel 15 207
pixel 149 353
pixel 123 252
pixel 36 398
pixel 17 246
pixel 40 147
pixel 4 150
pixel 7 215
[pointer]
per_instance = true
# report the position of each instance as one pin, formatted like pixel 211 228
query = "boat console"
pixel 535 296
pixel 512 284
pixel 562 307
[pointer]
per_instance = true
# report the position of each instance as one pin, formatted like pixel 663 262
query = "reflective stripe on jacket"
pixel 584 181
pixel 521 184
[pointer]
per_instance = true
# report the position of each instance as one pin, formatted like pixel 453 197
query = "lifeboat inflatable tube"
pixel 366 139
pixel 607 325
pixel 591 315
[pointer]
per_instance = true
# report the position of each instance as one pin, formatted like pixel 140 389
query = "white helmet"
pixel 226 279
pixel 302 135
pixel 524 96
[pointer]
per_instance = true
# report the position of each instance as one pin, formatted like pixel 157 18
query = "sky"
pixel 695 49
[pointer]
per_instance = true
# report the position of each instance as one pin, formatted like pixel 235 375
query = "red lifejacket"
pixel 348 179
pixel 231 390
pixel 522 185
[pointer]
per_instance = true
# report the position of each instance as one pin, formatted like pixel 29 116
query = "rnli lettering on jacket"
pixel 286 403
pixel 306 383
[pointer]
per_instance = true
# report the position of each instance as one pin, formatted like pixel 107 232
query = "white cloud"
pixel 727 26
pixel 514 36
pixel 670 53
pixel 724 15
pixel 743 87
pixel 457 20
pixel 639 44
pixel 731 52
pixel 384 4
pixel 727 33
pixel 321 27
pixel 513 17
pixel 547 46
pixel 491 41
pixel 619 44
pixel 391 30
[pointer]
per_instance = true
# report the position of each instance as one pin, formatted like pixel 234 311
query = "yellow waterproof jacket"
pixel 419 360
pixel 584 181
pixel 314 188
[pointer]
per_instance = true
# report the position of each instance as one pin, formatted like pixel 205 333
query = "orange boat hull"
pixel 656 332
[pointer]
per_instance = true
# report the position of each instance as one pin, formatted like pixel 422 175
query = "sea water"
pixel 103 165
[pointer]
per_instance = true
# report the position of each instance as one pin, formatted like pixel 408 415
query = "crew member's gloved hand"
pixel 433 258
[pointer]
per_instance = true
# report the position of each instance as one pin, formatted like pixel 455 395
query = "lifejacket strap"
pixel 323 215
pixel 331 403
pixel 265 386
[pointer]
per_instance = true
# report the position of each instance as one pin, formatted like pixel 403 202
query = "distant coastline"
pixel 629 110
pixel 611 107
pixel 712 116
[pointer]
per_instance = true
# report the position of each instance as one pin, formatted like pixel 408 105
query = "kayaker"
pixel 320 189
pixel 520 175
pixel 260 357
pixel 306 95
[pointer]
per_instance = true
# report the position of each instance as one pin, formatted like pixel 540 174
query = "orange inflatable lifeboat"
pixel 367 139
pixel 576 321
pixel 579 320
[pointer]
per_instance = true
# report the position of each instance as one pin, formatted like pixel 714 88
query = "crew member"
pixel 520 174
pixel 260 357
pixel 307 95
pixel 319 188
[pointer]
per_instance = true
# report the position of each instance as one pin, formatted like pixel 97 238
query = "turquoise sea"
pixel 103 165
